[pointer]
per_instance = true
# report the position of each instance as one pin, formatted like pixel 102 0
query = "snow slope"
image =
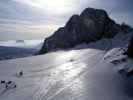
pixel 73 75
pixel 92 73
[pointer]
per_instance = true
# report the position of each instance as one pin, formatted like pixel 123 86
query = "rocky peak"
pixel 73 22
pixel 73 19
pixel 91 25
pixel 94 14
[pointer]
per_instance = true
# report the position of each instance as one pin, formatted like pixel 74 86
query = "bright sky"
pixel 30 19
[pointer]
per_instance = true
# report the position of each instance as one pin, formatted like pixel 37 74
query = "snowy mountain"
pixel 90 26
pixel 86 66
pixel 92 73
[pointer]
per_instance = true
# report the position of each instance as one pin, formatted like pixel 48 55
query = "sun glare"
pixel 50 3
pixel 55 6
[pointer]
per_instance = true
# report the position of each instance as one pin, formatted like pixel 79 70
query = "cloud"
pixel 20 20
pixel 24 17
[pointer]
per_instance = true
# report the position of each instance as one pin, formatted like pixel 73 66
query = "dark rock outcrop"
pixel 129 51
pixel 126 28
pixel 90 25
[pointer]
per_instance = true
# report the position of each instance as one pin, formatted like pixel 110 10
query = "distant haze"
pixel 33 19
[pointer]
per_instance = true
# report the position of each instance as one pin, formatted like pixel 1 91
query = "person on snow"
pixel 21 73
pixel 2 82
pixel 10 85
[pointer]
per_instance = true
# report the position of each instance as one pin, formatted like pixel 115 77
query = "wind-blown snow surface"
pixel 80 74
pixel 85 74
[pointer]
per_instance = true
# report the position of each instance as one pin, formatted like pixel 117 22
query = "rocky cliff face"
pixel 91 25
pixel 129 51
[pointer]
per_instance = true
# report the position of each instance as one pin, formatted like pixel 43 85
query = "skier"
pixel 2 82
pixel 10 85
pixel 21 73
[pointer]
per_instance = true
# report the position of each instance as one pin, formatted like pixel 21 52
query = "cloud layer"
pixel 27 19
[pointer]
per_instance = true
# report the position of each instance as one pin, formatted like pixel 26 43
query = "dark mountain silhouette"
pixel 129 51
pixel 91 25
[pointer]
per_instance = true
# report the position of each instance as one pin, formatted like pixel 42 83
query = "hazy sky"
pixel 27 19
